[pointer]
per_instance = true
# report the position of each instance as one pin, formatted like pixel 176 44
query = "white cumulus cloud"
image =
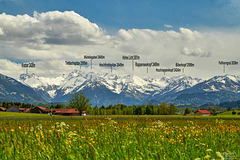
pixel 50 38
pixel 58 28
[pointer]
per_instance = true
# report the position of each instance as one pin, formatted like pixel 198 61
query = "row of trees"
pixel 18 104
pixel 119 109
pixel 81 103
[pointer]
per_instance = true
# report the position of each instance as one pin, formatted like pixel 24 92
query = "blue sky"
pixel 127 14
pixel 48 32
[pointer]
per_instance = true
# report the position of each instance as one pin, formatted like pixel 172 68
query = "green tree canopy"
pixel 163 108
pixel 172 109
pixel 188 110
pixel 79 101
pixel 213 111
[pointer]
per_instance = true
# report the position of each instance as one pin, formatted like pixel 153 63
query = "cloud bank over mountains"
pixel 50 38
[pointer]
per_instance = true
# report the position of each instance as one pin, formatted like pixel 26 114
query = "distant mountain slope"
pixel 215 90
pixel 12 90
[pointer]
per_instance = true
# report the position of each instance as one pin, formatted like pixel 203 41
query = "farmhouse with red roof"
pixel 202 113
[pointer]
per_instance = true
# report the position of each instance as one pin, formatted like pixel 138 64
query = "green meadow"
pixel 36 136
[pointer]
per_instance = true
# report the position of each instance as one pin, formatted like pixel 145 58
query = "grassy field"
pixel 21 115
pixel 29 116
pixel 118 137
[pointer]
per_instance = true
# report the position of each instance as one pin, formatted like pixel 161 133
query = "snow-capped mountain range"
pixel 109 89
pixel 106 89
pixel 129 89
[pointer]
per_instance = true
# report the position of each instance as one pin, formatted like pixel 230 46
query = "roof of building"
pixel 24 109
pixel 2 108
pixel 42 108
pixel 27 109
pixel 73 111
pixel 203 111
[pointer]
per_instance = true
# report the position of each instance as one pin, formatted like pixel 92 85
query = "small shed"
pixel 13 109
pixel 202 113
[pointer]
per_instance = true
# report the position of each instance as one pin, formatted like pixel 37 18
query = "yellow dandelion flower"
pixel 12 130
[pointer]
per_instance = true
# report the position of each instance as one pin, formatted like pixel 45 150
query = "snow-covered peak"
pixel 223 83
pixel 139 81
pixel 35 81
pixel 225 78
